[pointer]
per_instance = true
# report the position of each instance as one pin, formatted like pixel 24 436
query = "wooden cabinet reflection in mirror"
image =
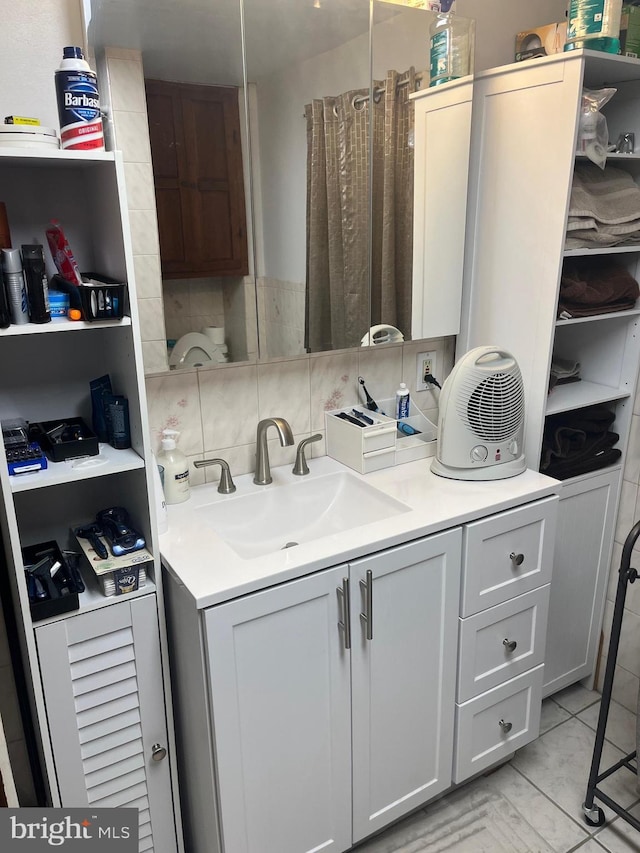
pixel 200 200
pixel 197 168
pixel 359 161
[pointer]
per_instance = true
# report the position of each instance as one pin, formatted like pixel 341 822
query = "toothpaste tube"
pixel 62 254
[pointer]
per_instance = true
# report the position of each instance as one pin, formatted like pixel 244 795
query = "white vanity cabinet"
pixel 324 727
pixel 506 570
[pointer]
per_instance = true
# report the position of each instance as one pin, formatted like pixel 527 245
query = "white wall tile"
pixel 144 232
pixel 154 356
pixel 381 368
pixel 132 136
pixel 139 183
pixel 148 278
pixel 174 403
pixel 283 391
pixel 333 384
pixel 626 510
pixel 151 319
pixel 632 462
pixel 127 85
pixel 229 400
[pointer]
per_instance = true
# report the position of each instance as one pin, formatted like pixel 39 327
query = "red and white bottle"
pixel 78 103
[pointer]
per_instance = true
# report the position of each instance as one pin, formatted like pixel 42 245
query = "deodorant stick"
pixel 14 283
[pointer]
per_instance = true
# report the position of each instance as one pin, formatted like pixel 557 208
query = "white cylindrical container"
pixel 402 402
pixel 158 494
pixel 594 24
pixel 78 103
pixel 176 469
pixel 15 285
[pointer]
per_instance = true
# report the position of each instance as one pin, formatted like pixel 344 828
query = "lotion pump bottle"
pixel 176 469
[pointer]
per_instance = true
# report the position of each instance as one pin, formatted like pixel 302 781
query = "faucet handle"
pixel 301 466
pixel 226 486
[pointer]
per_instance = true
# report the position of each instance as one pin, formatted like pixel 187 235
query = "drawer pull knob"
pixel 516 559
pixel 158 752
pixel 510 645
pixel 506 727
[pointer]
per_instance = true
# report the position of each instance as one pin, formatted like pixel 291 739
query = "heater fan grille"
pixel 493 408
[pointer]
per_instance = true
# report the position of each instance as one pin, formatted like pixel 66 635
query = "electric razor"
pixel 92 532
pixel 117 529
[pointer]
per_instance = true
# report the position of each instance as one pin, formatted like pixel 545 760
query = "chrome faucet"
pixel 301 468
pixel 226 486
pixel 263 471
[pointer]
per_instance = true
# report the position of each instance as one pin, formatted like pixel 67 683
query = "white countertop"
pixel 212 572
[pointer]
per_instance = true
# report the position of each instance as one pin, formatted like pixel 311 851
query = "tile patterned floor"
pixel 533 803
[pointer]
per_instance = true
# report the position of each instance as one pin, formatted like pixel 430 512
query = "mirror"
pixel 324 272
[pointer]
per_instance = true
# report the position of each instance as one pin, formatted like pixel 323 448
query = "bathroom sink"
pixel 285 516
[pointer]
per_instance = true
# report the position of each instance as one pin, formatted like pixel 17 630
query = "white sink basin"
pixel 284 516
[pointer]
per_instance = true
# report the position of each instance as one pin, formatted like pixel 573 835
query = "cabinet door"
pixel 198 175
pixel 102 680
pixel 580 568
pixel 279 681
pixel 403 677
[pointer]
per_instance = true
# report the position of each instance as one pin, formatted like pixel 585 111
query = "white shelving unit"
pixel 524 134
pixel 44 374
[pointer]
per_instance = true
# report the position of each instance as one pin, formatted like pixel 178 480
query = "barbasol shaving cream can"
pixel 78 103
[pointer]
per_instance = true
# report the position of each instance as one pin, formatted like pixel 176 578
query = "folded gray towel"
pixel 609 196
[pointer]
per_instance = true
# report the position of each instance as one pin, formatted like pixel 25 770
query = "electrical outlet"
pixel 425 364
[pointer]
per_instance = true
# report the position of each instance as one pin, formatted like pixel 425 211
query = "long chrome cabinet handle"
pixel 344 624
pixel 367 616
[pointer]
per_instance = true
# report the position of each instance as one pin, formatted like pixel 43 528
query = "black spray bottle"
pixel 36 280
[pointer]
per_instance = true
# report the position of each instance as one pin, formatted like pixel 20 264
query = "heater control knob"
pixel 479 453
pixel 513 447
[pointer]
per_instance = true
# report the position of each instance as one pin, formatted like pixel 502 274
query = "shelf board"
pixel 598 318
pixel 588 474
pixel 603 68
pixel 36 156
pixel 75 470
pixel 612 155
pixel 61 326
pixel 607 250
pixel 93 599
pixel 575 395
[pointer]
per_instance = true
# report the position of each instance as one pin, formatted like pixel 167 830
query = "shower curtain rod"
pixel 380 90
pixel 356 101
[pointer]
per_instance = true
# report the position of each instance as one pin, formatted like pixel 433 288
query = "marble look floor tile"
pixel 576 698
pixel 621 725
pixel 502 813
pixel 619 836
pixel 558 765
pixel 552 715
pixel 592 846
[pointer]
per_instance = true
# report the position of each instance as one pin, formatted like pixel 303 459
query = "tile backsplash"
pixel 217 409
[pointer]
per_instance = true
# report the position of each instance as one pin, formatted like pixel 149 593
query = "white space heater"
pixel 481 424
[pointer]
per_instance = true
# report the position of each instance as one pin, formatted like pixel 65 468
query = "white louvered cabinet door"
pixel 102 679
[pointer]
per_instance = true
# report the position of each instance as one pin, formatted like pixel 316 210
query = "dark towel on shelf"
pixel 577 442
pixel 595 286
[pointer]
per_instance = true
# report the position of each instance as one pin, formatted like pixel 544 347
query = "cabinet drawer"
pixel 507 554
pixel 502 642
pixel 496 723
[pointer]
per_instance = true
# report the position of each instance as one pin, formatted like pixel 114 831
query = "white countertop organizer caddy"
pixel 378 445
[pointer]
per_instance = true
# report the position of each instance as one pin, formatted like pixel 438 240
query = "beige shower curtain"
pixel 350 284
